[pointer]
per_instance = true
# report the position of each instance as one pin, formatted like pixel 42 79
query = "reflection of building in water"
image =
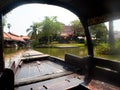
pixel 12 40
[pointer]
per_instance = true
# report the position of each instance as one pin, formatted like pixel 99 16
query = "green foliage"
pixel 77 27
pixel 46 30
pixel 34 43
pixel 33 31
pixel 50 26
pixel 4 21
pixel 100 32
pixel 105 48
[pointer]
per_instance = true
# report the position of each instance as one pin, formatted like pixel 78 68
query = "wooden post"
pixel 1 45
pixel 90 62
pixel 88 38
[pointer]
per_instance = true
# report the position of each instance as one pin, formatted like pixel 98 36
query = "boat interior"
pixel 44 72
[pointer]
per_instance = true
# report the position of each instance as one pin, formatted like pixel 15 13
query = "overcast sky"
pixel 23 16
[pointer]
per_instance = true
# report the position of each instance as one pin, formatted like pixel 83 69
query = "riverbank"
pixel 60 45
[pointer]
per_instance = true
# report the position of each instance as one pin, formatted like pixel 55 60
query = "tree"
pixel 33 31
pixel 4 21
pixel 9 26
pixel 50 27
pixel 78 28
pixel 100 32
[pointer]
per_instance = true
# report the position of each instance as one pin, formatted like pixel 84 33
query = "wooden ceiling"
pixel 89 11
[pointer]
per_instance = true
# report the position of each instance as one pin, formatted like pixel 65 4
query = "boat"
pixel 38 71
pixel 43 69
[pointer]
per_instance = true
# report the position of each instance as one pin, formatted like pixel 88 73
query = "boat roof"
pixel 89 11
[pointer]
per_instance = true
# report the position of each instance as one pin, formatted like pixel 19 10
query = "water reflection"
pixel 60 52
pixel 12 54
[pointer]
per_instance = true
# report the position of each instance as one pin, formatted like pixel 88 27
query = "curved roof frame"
pixel 71 5
pixel 8 5
pixel 89 12
pixel 15 3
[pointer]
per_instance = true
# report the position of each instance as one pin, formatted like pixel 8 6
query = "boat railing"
pixel 27 56
pixel 76 61
pixel 12 66
pixel 103 70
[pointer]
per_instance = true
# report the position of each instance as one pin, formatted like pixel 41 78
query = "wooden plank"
pixel 22 72
pixel 113 65
pixel 61 83
pixel 27 70
pixel 40 78
pixel 104 75
pixel 31 52
pixel 35 56
pixel 76 61
pixel 58 65
pixel 38 68
pixel 100 85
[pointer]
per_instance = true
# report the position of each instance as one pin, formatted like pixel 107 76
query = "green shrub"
pixel 105 48
pixel 35 43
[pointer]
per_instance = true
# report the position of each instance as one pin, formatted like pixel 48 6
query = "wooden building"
pixel 13 40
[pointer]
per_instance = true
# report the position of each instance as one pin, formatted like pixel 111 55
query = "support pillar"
pixel 1 46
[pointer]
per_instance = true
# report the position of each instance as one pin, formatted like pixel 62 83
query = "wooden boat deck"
pixel 31 54
pixel 42 74
pixel 60 83
pixel 38 68
pixel 47 73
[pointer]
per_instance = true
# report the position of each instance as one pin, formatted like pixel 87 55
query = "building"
pixel 13 40
pixel 67 31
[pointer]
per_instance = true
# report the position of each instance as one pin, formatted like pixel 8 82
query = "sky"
pixel 116 25
pixel 23 16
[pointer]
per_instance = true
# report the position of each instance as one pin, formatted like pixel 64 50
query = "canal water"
pixel 60 52
pixel 12 54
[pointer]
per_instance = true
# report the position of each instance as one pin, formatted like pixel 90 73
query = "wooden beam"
pixel 109 64
pixel 1 45
pixel 31 80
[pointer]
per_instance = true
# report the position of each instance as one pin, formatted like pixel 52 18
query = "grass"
pixel 80 45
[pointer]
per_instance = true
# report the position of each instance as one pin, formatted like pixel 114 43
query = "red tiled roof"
pixel 13 34
pixel 67 30
pixel 6 36
pixel 13 37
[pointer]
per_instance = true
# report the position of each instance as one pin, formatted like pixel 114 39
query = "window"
pixel 106 40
